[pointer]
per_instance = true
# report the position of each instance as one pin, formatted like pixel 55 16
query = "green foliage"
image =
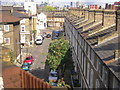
pixel 12 56
pixel 48 8
pixel 57 51
pixel 34 31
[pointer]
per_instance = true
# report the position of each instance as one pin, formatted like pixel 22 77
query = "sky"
pixel 61 3
pixel 63 0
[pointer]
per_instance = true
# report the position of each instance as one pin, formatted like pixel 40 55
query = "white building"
pixel 42 21
pixel 30 7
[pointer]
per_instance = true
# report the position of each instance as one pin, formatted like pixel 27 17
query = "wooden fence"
pixel 30 81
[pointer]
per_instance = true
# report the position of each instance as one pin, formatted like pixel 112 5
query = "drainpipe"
pixel 103 17
pixel 94 15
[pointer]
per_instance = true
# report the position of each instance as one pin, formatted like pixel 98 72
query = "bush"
pixel 57 51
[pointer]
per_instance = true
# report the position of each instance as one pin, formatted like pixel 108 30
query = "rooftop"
pixel 20 15
pixel 8 18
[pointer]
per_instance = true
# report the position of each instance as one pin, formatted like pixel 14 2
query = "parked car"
pixel 44 34
pixel 55 35
pixel 39 40
pixel 53 76
pixel 29 59
pixel 25 66
pixel 48 36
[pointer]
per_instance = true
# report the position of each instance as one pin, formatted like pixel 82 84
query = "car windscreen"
pixel 38 40
pixel 25 66
pixel 53 74
pixel 28 58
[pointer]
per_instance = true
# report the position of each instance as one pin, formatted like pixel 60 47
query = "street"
pixel 39 52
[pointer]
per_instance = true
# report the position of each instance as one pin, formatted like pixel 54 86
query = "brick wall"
pixel 109 18
pixel 98 16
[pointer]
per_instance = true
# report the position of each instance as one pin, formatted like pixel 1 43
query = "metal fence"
pixel 30 81
pixel 92 71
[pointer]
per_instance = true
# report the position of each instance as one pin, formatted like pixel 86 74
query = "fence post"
pixel 31 81
pixel 37 83
pixel 23 79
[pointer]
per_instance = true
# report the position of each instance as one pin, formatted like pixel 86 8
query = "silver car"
pixel 53 75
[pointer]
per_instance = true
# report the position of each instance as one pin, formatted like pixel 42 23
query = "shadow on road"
pixel 41 73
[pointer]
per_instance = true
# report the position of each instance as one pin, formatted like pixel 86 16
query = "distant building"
pixel 117 5
pixel 55 19
pixel 71 4
pixel 93 6
pixel 30 7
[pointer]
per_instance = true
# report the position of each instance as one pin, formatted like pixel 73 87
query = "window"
pixel 89 52
pixel 84 65
pixel 92 56
pixel 88 72
pixel 22 21
pixel 6 27
pixel 106 78
pixel 7 41
pixel 97 83
pixel 82 43
pixel 82 61
pixel 0 29
pixel 29 6
pixel 22 28
pixel 85 47
pixel 91 78
pixel 100 69
pixel 79 53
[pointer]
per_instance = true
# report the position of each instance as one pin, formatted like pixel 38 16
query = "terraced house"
pixel 16 28
pixel 10 34
pixel 25 26
pixel 94 39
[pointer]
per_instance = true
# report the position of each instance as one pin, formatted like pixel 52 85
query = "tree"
pixel 34 33
pixel 48 8
pixel 57 51
pixel 12 56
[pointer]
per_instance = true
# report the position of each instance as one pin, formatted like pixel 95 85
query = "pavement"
pixel 39 68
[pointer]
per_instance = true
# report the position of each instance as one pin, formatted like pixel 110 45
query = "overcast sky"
pixel 63 0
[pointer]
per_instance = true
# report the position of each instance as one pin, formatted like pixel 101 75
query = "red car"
pixel 29 60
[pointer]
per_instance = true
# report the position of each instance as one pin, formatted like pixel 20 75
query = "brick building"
pixel 11 33
pixel 94 42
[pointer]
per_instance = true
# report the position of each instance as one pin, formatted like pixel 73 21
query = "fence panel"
pixel 30 81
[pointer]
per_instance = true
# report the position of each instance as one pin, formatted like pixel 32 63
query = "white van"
pixel 39 40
